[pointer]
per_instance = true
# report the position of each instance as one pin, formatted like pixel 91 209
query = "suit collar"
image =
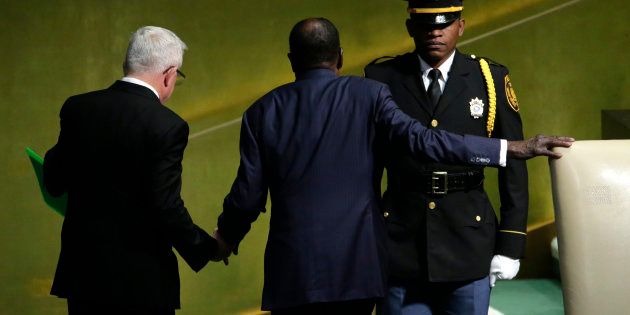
pixel 140 82
pixel 456 83
pixel 135 89
pixel 314 74
pixel 460 66
pixel 410 78
pixel 412 63
pixel 445 68
pixel 412 81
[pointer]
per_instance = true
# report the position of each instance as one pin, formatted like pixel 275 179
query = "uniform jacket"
pixel 312 144
pixel 119 159
pixel 457 239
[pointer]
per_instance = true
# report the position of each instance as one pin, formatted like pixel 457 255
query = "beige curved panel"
pixel 591 194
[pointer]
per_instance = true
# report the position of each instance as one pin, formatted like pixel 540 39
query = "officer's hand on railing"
pixel 537 146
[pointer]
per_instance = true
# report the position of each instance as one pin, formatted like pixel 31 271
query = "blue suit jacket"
pixel 313 145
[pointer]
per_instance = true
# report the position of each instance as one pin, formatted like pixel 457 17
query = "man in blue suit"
pixel 313 144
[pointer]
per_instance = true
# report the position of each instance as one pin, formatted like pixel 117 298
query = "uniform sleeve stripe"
pixel 513 232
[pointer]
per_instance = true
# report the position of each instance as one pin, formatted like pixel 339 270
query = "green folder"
pixel 56 203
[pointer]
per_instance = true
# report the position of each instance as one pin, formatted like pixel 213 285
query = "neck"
pixel 333 66
pixel 435 63
pixel 322 67
pixel 152 79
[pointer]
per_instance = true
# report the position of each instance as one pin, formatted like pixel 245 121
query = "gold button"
pixel 431 205
pixel 478 218
pixel 434 123
pixel 385 214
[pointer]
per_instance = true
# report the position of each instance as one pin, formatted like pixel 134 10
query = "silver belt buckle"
pixel 436 179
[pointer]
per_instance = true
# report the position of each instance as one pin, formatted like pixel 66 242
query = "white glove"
pixel 504 268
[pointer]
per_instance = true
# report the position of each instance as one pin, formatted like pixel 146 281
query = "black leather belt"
pixel 442 182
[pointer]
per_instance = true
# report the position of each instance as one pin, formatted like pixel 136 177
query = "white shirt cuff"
pixel 503 153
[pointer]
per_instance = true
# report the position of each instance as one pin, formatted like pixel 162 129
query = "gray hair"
pixel 153 49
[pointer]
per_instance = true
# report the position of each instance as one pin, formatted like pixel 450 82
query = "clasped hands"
pixel 224 249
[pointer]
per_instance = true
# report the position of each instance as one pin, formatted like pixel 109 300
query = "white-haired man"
pixel 119 159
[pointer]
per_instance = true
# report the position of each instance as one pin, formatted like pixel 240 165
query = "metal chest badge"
pixel 476 107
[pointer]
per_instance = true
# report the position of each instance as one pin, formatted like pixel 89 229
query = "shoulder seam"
pixel 373 62
pixel 491 62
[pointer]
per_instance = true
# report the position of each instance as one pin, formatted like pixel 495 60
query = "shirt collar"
pixel 142 83
pixel 444 68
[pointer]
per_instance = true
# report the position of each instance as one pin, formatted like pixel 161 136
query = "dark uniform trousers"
pixel 450 235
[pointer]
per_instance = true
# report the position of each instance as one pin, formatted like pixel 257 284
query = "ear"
pixel 293 64
pixel 409 25
pixel 340 59
pixel 170 76
pixel 462 25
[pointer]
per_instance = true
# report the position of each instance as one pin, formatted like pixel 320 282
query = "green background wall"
pixel 566 67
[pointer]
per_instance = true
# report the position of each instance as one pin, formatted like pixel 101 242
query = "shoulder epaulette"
pixel 380 59
pixel 490 61
pixel 509 90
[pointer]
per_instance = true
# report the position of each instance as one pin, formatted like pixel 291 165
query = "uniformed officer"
pixel 446 245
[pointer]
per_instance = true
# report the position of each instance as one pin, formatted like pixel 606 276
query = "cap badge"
pixel 440 19
pixel 476 107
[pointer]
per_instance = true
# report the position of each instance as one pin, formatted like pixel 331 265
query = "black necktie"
pixel 434 87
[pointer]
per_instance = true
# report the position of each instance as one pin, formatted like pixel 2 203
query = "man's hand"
pixel 223 249
pixel 504 268
pixel 537 146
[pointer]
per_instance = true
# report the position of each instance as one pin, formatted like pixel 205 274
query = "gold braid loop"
pixel 492 95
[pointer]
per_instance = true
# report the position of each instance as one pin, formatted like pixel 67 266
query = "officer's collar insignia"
pixel 476 107
pixel 510 94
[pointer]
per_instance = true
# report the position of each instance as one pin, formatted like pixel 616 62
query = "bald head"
pixel 314 43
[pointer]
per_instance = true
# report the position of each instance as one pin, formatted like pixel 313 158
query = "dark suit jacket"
pixel 456 240
pixel 312 144
pixel 119 158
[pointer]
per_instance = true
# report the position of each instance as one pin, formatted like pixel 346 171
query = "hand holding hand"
pixel 223 249
pixel 504 268
pixel 537 146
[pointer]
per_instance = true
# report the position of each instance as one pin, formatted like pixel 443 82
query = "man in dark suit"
pixel 446 248
pixel 312 144
pixel 119 158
